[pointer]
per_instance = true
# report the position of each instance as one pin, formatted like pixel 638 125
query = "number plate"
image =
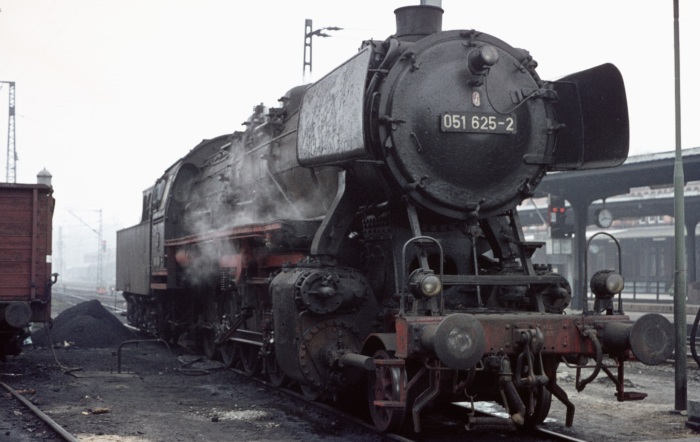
pixel 479 122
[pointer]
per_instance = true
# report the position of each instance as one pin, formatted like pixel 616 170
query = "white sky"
pixel 110 93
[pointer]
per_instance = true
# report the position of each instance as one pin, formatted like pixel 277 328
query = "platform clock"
pixel 603 218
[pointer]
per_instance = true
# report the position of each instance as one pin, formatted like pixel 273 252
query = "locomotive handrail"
pixel 272 140
pixel 501 279
pixel 585 271
pixel 247 230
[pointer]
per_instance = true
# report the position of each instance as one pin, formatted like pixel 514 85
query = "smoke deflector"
pixel 593 107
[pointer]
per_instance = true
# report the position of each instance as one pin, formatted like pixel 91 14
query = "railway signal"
pixel 558 228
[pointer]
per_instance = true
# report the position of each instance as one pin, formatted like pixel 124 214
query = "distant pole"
pixel 11 166
pixel 100 256
pixel 680 289
pixel 308 40
pixel 101 246
pixel 307 48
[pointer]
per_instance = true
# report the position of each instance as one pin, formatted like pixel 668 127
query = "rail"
pixel 40 414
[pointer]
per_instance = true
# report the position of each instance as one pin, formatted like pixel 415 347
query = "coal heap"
pixel 86 325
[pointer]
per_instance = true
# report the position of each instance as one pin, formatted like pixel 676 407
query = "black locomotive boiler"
pixel 365 232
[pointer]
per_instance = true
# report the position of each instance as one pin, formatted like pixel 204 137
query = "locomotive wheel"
pixel 384 385
pixel 250 359
pixel 543 397
pixel 208 340
pixel 3 344
pixel 310 393
pixel 543 400
pixel 230 355
pixel 164 329
pixel 275 374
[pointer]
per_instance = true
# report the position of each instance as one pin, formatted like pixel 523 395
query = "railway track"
pixel 456 431
pixel 44 428
pixel 44 423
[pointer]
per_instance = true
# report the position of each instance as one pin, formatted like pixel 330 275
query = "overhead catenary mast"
pixel 308 40
pixel 101 247
pixel 11 165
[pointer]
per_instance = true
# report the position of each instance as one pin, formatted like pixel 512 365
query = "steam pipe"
pixel 505 382
pixel 598 361
pixel 279 187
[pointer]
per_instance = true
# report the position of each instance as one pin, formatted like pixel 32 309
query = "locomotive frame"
pixel 356 236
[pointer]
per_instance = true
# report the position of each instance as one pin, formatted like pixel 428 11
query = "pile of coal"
pixel 86 325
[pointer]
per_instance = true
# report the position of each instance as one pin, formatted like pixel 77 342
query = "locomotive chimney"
pixel 416 22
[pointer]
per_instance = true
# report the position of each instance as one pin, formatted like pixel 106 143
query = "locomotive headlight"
pixel 482 58
pixel 431 285
pixel 607 283
pixel 425 284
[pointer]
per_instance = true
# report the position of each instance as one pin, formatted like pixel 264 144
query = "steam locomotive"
pixel 365 233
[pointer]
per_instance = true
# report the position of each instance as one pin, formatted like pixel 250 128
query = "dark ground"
pixel 167 400
pixel 159 395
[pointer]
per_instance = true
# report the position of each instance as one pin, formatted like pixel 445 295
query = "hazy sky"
pixel 110 93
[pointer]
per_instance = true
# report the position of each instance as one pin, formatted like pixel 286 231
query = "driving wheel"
pixel 250 358
pixel 230 355
pixel 275 374
pixel 384 386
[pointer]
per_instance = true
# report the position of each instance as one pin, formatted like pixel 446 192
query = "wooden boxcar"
pixel 26 213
